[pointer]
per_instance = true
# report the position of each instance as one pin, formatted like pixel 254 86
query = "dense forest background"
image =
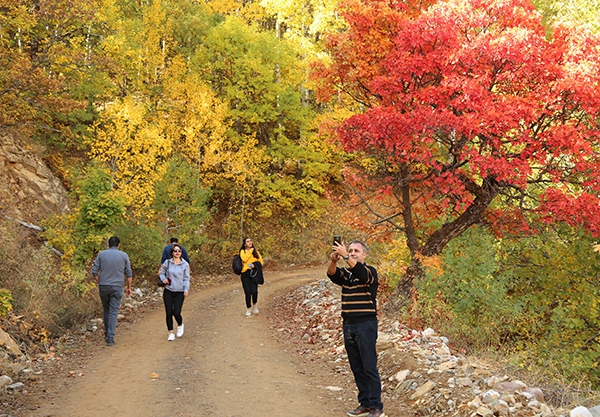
pixel 459 139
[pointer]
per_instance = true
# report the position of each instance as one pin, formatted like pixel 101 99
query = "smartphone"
pixel 338 239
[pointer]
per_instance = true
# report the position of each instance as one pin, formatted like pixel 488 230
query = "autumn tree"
pixel 466 113
pixel 42 61
pixel 281 168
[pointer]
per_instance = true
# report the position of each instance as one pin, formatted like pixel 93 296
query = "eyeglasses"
pixel 176 250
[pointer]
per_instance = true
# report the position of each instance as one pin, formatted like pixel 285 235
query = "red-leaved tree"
pixel 466 112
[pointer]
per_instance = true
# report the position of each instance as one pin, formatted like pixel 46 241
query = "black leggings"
pixel 173 304
pixel 250 289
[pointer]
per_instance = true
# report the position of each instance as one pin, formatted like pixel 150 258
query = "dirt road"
pixel 225 365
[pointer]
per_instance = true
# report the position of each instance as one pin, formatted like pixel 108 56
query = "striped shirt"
pixel 359 292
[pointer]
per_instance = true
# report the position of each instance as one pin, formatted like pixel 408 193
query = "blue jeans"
pixel 111 301
pixel 360 340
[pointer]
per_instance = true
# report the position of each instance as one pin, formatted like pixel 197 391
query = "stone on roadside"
pixel 8 343
pixel 427 333
pixel 422 390
pixel 402 375
pixel 446 366
pixel 490 396
pixel 500 408
pixel 509 387
pixel 5 380
pixel 475 403
pixel 17 386
pixel 534 393
pixel 580 412
pixel 464 382
pixel 492 381
pixel 484 412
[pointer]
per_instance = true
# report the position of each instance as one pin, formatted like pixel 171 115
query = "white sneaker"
pixel 248 313
pixel 171 337
pixel 180 330
pixel 255 309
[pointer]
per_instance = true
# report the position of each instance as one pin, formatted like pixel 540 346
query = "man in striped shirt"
pixel 359 311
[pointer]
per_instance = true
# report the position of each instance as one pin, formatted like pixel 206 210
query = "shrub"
pixel 40 292
pixel 5 302
pixel 466 296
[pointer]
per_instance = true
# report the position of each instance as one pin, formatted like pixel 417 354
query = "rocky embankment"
pixel 419 371
pixel 29 191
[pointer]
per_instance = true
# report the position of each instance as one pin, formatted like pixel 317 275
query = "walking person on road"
pixel 109 270
pixel 175 274
pixel 359 313
pixel 252 262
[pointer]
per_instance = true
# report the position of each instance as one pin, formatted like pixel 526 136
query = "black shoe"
pixel 110 342
pixel 375 412
pixel 359 411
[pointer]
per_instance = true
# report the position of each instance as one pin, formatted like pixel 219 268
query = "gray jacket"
pixel 112 265
pixel 179 274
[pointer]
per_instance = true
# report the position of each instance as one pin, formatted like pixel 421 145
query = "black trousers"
pixel 250 289
pixel 173 304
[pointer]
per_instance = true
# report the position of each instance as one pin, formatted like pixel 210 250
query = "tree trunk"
pixel 400 297
pixel 437 241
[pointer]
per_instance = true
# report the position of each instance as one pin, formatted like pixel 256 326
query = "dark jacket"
pixel 256 273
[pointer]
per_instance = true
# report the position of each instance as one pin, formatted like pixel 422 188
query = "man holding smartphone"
pixel 359 311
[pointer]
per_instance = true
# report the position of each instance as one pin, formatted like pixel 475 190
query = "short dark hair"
pixel 113 242
pixel 174 240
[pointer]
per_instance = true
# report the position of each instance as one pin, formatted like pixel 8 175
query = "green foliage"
pixel 81 233
pixel 182 204
pixel 6 300
pixel 467 296
pixel 144 244
pixel 259 76
pixel 100 210
pixel 536 298
pixel 574 12
pixel 556 280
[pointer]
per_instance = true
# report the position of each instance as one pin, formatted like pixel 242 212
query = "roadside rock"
pixel 9 344
pixel 417 368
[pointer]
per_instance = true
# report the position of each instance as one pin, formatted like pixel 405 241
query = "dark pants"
pixel 173 304
pixel 250 289
pixel 111 302
pixel 360 340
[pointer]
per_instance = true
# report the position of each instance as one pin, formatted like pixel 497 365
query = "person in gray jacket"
pixel 109 270
pixel 175 274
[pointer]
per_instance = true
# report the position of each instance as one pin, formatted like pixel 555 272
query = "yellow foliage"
pixel 248 10
pixel 395 260
pixel 192 119
pixel 133 148
pixel 6 300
